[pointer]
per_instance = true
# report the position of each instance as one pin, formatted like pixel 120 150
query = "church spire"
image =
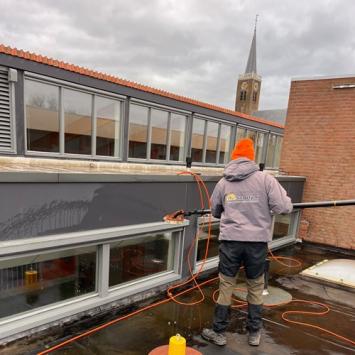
pixel 249 83
pixel 251 65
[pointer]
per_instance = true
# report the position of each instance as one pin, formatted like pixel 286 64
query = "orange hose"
pixel 202 189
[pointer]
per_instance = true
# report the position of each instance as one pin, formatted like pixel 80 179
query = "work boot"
pixel 254 338
pixel 213 337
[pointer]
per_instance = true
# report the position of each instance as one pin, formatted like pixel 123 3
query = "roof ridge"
pixel 124 82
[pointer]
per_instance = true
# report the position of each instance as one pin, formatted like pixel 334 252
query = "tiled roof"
pixel 110 78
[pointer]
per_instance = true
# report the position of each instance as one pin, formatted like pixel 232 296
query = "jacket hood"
pixel 239 169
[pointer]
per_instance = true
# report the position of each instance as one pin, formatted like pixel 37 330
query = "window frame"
pixel 170 111
pixel 218 146
pixel 274 166
pixel 101 239
pixel 86 90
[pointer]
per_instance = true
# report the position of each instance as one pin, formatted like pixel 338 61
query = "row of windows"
pixel 61 120
pixel 33 281
pixel 243 95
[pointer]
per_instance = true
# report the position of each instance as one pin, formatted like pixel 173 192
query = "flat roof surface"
pixel 140 334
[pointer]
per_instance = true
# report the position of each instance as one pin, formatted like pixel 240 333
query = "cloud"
pixel 190 47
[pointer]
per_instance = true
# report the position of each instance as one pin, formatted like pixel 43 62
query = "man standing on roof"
pixel 244 200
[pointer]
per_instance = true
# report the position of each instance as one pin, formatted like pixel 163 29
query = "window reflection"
pixel 271 147
pixel 42 116
pixel 107 126
pixel 202 241
pixel 177 138
pixel 77 121
pixel 198 132
pixel 133 259
pixel 282 226
pixel 259 145
pixel 138 131
pixel 159 125
pixel 224 144
pixel 211 147
pixel 35 281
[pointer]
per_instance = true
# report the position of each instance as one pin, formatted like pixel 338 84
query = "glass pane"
pixel 282 226
pixel 138 131
pixel 252 135
pixel 271 151
pixel 133 259
pixel 198 132
pixel 260 142
pixel 159 124
pixel 241 132
pixel 212 137
pixel 42 116
pixel 35 281
pixel 107 126
pixel 177 126
pixel 278 151
pixel 224 144
pixel 202 241
pixel 77 127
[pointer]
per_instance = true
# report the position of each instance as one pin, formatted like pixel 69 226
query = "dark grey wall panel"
pixel 29 209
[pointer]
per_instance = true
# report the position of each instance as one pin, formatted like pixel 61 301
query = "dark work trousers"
pixel 233 255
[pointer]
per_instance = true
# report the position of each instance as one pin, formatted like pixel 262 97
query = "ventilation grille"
pixel 5 121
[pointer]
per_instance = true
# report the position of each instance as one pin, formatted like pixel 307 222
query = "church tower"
pixel 249 83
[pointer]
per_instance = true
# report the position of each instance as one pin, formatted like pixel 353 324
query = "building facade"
pixel 89 166
pixel 320 144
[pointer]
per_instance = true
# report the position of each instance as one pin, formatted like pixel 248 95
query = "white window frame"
pixel 101 238
pixel 168 134
pixel 87 90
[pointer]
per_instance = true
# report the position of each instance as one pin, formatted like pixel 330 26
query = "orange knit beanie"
pixel 243 149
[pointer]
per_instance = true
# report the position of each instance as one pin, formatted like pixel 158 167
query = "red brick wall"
pixel 319 143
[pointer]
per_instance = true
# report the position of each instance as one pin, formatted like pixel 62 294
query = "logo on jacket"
pixel 230 197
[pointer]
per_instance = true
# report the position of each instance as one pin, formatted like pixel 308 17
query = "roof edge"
pixel 324 77
pixel 116 80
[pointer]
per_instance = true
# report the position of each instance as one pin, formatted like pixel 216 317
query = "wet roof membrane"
pixel 338 271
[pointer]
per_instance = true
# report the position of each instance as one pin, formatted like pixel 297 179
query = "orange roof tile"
pixel 110 78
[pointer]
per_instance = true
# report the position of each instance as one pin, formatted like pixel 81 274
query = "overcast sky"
pixel 195 48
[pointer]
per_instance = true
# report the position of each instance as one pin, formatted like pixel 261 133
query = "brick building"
pixel 319 143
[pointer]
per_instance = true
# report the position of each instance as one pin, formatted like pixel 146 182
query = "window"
pixel 138 131
pixel 38 280
pixel 198 134
pixel 243 95
pixel 241 132
pixel 156 134
pixel 255 95
pixel 202 240
pixel 259 147
pixel 61 120
pixel 224 144
pixel 77 122
pixel 159 128
pixel 42 116
pixel 135 258
pixel 282 226
pixel 212 139
pixel 177 137
pixel 212 147
pixel 108 113
pixel 273 151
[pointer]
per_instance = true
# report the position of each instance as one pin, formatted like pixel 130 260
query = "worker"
pixel 245 200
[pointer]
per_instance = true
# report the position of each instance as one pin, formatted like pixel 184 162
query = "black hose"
pixel 324 204
pixel 299 205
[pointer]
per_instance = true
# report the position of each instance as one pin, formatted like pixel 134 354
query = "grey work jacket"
pixel 244 199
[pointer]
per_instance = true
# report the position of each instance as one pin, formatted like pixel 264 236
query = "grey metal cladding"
pixel 6 142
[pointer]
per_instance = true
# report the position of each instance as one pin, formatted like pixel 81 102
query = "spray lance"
pixel 178 216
